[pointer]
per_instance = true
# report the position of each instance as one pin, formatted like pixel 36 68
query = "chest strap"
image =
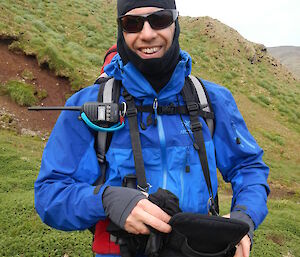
pixel 173 110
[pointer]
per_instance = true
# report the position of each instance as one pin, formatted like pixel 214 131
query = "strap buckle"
pixel 211 207
pixel 169 109
pixel 101 158
pixel 132 112
pixel 196 126
pixel 146 189
pixel 193 108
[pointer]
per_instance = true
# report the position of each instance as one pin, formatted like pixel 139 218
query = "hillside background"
pixel 289 56
pixel 51 49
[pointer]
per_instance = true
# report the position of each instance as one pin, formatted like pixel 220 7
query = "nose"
pixel 147 33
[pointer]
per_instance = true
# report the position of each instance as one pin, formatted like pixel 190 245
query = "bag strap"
pixel 188 93
pixel 113 49
pixel 204 101
pixel 109 92
pixel 136 142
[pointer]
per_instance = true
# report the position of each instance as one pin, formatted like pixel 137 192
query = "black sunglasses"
pixel 157 20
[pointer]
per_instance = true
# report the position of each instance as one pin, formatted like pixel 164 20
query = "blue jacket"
pixel 64 195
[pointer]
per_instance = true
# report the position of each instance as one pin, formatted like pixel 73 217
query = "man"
pixel 152 69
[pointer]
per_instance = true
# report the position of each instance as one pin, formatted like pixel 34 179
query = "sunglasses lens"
pixel 161 19
pixel 158 20
pixel 132 24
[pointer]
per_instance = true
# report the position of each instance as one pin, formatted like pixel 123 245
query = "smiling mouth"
pixel 150 50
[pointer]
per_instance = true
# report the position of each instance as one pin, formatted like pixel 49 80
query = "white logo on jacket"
pixel 187 124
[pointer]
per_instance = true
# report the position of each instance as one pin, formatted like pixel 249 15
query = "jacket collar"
pixel 139 87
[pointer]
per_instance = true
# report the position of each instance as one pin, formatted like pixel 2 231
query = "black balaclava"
pixel 157 71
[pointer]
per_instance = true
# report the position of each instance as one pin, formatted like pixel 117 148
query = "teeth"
pixel 150 50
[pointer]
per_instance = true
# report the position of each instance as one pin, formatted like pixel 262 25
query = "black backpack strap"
pixel 204 101
pixel 208 116
pixel 109 92
pixel 136 142
pixel 193 106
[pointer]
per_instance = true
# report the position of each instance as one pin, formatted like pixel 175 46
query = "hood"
pixel 137 85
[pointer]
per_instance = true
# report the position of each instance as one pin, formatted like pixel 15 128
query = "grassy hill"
pixel 71 37
pixel 289 56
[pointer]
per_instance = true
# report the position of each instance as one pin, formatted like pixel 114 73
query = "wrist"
pixel 239 215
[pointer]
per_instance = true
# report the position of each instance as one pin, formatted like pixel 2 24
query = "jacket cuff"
pixel 239 215
pixel 118 202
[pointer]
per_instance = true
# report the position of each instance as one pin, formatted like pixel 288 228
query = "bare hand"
pixel 147 213
pixel 243 247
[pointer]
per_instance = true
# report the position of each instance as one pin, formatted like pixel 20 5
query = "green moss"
pixel 40 26
pixel 41 94
pixel 28 75
pixel 264 100
pixel 274 137
pixel 21 93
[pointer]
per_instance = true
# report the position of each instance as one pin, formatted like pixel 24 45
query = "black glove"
pixel 169 203
pixel 165 200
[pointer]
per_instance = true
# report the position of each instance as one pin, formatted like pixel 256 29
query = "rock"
pixel 29 132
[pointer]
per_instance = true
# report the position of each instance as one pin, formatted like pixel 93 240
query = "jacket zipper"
pixel 162 140
pixel 186 169
pixel 239 139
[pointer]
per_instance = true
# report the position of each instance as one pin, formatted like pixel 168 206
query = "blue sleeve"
pixel 239 158
pixel 64 195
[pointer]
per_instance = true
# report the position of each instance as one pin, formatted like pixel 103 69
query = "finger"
pixel 138 228
pixel 246 244
pixel 131 229
pixel 133 224
pixel 239 251
pixel 142 229
pixel 154 210
pixel 154 222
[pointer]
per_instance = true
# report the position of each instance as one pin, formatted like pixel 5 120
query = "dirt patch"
pixel 277 239
pixel 12 66
pixel 281 192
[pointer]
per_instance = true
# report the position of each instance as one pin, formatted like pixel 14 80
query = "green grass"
pixel 22 233
pixel 71 38
pixel 273 137
pixel 22 93
pixel 27 75
pixel 280 233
